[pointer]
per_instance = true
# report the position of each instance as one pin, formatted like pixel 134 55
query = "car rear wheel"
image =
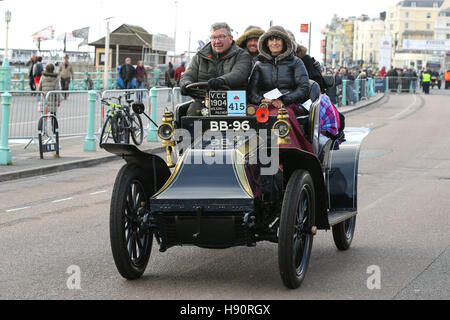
pixel 343 234
pixel 131 242
pixel 296 225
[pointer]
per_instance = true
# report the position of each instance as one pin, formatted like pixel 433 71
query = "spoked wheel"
pixel 296 225
pixel 109 132
pixel 137 129
pixel 131 243
pixel 123 130
pixel 343 234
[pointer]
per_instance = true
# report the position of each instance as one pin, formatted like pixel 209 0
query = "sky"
pixel 163 16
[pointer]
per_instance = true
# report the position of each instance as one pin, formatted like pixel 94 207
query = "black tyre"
pixel 296 224
pixel 130 243
pixel 109 132
pixel 137 129
pixel 123 129
pixel 343 234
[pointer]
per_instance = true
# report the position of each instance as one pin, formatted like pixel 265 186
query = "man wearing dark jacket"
pixel 127 73
pixel 220 63
pixel 249 41
pixel 31 64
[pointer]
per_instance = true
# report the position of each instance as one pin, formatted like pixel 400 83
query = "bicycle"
pixel 121 123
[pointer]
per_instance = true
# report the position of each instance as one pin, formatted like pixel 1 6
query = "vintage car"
pixel 224 192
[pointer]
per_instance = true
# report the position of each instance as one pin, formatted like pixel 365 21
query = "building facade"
pixel 133 42
pixel 338 42
pixel 412 20
pixel 442 33
pixel 367 41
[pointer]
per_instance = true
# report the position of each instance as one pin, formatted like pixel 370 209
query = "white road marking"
pixel 62 200
pixel 17 209
pixel 99 192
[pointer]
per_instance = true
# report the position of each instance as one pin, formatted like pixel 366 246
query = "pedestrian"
pixel 65 72
pixel 332 92
pixel 31 64
pixel 170 76
pixel 49 82
pixel 179 72
pixel 89 82
pixel 312 66
pixel 447 79
pixel 383 72
pixel 426 81
pixel 38 68
pixel 127 73
pixel 408 80
pixel 249 41
pixel 393 79
pixel 141 79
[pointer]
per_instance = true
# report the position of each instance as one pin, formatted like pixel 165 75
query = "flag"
pixel 304 28
pixel 44 34
pixel 83 34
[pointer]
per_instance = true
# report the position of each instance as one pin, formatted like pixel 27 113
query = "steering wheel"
pixel 200 89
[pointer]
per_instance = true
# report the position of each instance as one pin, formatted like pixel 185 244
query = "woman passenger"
pixel 279 68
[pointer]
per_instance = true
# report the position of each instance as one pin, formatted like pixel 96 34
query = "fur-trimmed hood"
pixel 48 74
pixel 253 32
pixel 280 32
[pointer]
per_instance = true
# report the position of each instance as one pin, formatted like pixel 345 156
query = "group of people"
pixel 128 73
pixel 258 62
pixel 37 74
pixel 46 79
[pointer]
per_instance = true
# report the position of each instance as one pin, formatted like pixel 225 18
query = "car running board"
pixel 337 217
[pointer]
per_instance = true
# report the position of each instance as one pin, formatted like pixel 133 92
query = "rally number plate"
pixel 228 103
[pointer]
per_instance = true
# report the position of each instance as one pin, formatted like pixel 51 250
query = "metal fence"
pixel 399 84
pixel 353 91
pixel 72 113
pixel 24 114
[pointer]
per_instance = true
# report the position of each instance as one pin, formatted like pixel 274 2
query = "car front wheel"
pixel 296 225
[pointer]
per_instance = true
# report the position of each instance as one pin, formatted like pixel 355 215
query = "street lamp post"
pixel 7 20
pixel 5 69
pixel 107 44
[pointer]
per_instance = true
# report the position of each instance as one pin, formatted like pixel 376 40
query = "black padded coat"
pixel 286 72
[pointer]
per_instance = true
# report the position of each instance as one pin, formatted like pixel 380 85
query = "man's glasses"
pixel 219 38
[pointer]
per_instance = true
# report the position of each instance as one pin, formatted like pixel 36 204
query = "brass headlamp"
pixel 165 132
pixel 282 127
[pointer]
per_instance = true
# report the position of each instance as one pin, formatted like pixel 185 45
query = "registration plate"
pixel 224 126
pixel 228 103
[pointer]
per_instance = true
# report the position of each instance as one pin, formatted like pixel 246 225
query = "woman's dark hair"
pixel 50 68
pixel 266 43
pixel 39 59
